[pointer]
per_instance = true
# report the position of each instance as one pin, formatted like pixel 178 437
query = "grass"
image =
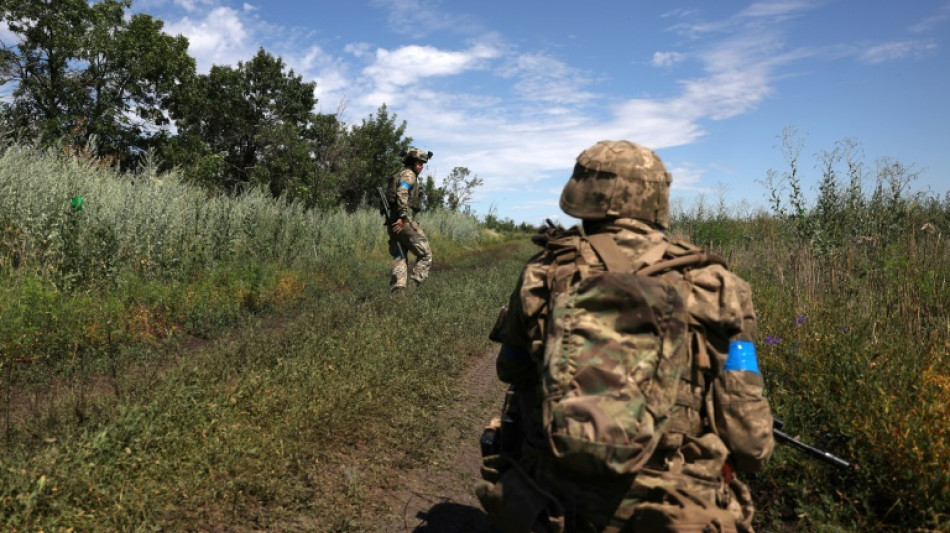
pixel 852 295
pixel 148 257
pixel 263 423
pixel 170 361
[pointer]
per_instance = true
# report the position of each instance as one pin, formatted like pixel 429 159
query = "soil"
pixel 440 498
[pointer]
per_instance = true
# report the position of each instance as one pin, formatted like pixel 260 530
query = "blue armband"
pixel 405 185
pixel 741 357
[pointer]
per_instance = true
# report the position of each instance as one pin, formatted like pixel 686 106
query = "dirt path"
pixel 439 498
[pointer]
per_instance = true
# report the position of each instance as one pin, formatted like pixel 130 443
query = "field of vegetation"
pixel 852 290
pixel 176 360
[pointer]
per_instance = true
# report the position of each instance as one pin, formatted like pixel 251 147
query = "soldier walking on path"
pixel 405 233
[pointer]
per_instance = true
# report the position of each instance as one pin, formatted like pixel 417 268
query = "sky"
pixel 515 90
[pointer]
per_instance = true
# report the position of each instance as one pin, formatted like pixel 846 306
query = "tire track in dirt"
pixel 439 498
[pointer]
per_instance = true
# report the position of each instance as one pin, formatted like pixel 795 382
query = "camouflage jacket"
pixel 403 194
pixel 729 405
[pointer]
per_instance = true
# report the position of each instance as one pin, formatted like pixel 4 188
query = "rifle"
pixel 545 231
pixel 385 202
pixel 781 436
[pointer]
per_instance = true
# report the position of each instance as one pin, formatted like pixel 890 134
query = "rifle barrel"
pixel 827 457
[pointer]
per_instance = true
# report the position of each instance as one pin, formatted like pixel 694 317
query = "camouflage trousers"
pixel 412 240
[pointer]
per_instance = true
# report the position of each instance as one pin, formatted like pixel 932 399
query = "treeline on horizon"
pixel 90 78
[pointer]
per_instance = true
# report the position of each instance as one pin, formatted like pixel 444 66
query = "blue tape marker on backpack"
pixel 742 357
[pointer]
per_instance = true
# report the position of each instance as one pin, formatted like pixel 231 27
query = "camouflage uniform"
pixel 719 415
pixel 403 196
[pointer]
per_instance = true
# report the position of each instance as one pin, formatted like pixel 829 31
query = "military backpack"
pixel 614 352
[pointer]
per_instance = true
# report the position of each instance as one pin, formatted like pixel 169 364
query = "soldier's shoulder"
pixel 711 266
pixel 679 247
pixel 405 172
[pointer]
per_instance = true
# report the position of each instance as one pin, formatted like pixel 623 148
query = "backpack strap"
pixel 610 253
pixel 563 253
pixel 614 259
pixel 691 260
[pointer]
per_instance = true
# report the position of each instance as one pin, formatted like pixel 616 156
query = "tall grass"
pixel 146 258
pixel 157 227
pixel 852 292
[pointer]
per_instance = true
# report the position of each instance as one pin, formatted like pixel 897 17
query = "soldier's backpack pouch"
pixel 514 502
pixel 614 354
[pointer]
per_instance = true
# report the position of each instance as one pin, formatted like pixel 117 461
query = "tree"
pixel 86 71
pixel 433 197
pixel 329 148
pixel 458 188
pixel 42 63
pixel 374 152
pixel 259 120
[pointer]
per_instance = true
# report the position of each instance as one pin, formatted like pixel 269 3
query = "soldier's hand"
pixel 397 225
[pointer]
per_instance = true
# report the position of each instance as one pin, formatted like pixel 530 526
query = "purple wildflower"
pixel 772 339
pixel 800 320
pixel 846 330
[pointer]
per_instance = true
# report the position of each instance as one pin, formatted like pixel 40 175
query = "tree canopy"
pixel 86 72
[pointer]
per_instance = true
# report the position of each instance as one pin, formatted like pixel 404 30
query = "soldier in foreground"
pixel 635 395
pixel 405 233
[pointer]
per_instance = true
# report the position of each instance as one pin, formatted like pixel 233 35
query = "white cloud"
pixel 409 64
pixel 697 30
pixel 781 9
pixel 517 151
pixel 419 18
pixel 330 73
pixel 739 77
pixel 357 49
pixel 193 5
pixel 7 37
pixel 546 80
pixel 892 51
pixel 931 22
pixel 666 59
pixel 726 94
pixel 657 123
pixel 679 13
pixel 514 148
pixel 761 15
pixel 220 38
pixel 687 177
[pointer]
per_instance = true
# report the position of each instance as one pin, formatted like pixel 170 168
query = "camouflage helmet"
pixel 415 154
pixel 618 179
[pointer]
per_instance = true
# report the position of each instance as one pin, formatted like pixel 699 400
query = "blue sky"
pixel 515 90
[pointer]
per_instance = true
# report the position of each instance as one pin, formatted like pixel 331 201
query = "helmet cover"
pixel 615 179
pixel 417 154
